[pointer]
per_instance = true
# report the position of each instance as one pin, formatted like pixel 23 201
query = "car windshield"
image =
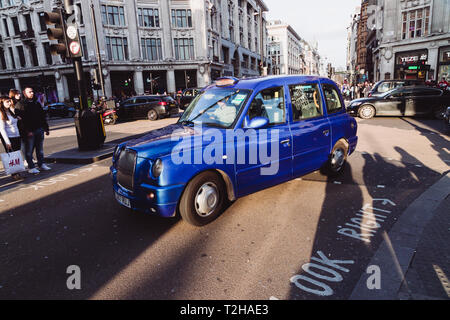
pixel 215 107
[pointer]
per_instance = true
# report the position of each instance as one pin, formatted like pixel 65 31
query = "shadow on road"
pixel 81 226
pixel 352 223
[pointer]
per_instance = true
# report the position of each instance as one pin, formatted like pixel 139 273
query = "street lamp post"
pixel 97 47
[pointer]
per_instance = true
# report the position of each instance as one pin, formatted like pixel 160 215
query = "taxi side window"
pixel 332 98
pixel 306 101
pixel 269 104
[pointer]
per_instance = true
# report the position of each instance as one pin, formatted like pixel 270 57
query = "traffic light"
pixel 57 33
pixel 66 33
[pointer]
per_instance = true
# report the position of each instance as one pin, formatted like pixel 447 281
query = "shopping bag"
pixel 13 162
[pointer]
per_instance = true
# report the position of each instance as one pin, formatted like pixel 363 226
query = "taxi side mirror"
pixel 256 123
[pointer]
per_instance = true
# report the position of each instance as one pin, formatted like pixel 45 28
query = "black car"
pixel 187 96
pixel 404 101
pixel 381 87
pixel 60 110
pixel 447 118
pixel 150 107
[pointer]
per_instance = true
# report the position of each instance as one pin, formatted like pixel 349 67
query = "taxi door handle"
pixel 326 132
pixel 287 141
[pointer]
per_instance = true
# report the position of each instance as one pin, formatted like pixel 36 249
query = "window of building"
pixel 21 56
pixel 113 15
pixel 48 54
pixel 42 23
pixel 148 18
pixel 34 56
pixel 182 18
pixel 15 25
pixel 84 48
pixel 11 54
pixel 184 48
pixel 79 14
pixel 117 48
pixel 415 23
pixel 5 24
pixel 28 21
pixel 2 59
pixel 151 49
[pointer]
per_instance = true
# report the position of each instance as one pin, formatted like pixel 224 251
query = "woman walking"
pixel 9 131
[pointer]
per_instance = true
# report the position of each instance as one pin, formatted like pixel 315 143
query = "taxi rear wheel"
pixel 337 159
pixel 203 199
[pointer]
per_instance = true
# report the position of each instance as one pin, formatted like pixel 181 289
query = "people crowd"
pixel 23 124
pixel 356 91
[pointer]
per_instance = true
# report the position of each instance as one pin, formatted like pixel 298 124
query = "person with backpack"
pixel 34 124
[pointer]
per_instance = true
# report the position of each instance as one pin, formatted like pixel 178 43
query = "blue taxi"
pixel 238 136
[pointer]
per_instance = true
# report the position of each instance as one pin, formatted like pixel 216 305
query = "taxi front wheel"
pixel 203 199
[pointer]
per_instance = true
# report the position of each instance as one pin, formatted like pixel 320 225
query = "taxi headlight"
pixel 157 168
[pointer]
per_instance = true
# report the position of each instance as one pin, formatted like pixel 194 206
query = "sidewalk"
pixel 114 135
pixel 414 257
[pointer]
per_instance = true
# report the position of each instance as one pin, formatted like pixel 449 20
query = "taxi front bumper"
pixel 161 201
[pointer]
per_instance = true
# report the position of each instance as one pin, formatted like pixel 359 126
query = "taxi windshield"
pixel 218 107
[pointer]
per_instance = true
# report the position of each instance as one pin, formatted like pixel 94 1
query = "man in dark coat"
pixel 34 125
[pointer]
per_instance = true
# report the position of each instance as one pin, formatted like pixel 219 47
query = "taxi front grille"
pixel 125 169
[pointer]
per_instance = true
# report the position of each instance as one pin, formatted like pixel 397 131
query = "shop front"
pixel 412 65
pixel 444 64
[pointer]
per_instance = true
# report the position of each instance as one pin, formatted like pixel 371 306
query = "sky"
pixel 324 21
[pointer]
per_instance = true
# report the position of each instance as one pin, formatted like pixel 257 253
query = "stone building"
pixel 413 40
pixel 146 46
pixel 285 49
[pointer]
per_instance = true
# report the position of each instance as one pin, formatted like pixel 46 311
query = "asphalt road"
pixel 293 241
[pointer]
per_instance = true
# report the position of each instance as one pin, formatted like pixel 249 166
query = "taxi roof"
pixel 256 83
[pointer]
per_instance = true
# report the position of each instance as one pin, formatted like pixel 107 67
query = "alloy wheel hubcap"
pixel 367 112
pixel 338 158
pixel 206 199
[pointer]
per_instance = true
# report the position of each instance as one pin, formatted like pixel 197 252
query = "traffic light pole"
pixel 78 67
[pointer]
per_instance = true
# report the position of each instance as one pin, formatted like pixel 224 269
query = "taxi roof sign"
pixel 226 81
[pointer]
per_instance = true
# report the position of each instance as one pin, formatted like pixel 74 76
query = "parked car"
pixel 187 96
pixel 150 107
pixel 59 110
pixel 403 101
pixel 447 118
pixel 303 119
pixel 381 87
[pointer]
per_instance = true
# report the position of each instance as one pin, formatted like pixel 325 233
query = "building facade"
pixel 414 40
pixel 285 49
pixel 312 58
pixel 352 43
pixel 146 46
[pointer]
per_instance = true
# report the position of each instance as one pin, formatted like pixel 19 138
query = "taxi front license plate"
pixel 123 201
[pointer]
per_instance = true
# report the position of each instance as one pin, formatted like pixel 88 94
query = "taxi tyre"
pixel 340 149
pixel 187 205
pixel 152 115
pixel 367 107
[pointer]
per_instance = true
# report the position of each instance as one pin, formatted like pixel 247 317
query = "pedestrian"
pixel 34 126
pixel 15 95
pixel 9 130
